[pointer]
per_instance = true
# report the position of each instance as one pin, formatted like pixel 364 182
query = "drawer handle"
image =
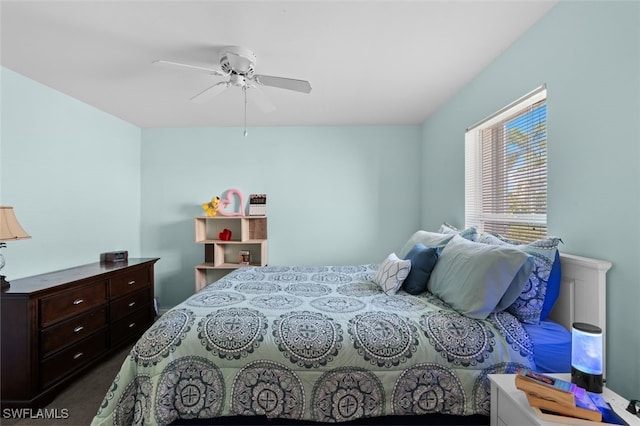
pixel 132 324
pixel 132 282
pixel 78 355
pixel 78 301
pixel 132 304
pixel 78 329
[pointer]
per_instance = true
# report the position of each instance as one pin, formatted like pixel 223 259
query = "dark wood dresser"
pixel 56 325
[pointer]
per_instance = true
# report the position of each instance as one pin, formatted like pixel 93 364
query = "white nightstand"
pixel 509 405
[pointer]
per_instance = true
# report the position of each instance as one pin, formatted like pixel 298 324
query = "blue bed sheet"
pixel 552 347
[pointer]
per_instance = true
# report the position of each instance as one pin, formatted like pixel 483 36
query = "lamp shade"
pixel 586 356
pixel 10 228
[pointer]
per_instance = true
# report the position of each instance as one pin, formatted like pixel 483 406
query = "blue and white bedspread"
pixel 320 343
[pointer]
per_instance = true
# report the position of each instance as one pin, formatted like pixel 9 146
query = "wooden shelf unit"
pixel 247 233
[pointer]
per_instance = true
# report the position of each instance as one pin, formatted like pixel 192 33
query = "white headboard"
pixel 583 294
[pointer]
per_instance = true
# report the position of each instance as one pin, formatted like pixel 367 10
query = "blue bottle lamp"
pixel 586 356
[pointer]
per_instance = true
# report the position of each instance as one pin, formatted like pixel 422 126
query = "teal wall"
pixel 335 195
pixel 84 182
pixel 72 174
pixel 588 54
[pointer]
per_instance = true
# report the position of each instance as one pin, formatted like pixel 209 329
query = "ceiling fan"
pixel 238 65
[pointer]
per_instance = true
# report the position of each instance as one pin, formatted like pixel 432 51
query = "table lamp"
pixel 586 356
pixel 10 229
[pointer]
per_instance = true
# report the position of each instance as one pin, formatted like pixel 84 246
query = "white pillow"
pixel 429 239
pixel 392 273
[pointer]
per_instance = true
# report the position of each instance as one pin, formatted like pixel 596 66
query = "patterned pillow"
pixel 529 306
pixel 392 273
pixel 470 233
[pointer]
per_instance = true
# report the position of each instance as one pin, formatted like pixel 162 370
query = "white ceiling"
pixel 368 62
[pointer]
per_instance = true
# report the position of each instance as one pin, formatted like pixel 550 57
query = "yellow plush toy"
pixel 211 208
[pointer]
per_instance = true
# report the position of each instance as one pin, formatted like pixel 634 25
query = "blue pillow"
pixel 553 288
pixel 423 259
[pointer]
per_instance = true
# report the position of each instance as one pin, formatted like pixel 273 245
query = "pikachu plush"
pixel 211 208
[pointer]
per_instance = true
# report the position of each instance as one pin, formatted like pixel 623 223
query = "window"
pixel 506 170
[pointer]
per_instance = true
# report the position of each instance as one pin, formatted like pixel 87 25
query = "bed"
pixel 328 344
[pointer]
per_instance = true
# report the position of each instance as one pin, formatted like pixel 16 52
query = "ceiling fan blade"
pixel 261 100
pixel 284 83
pixel 210 92
pixel 177 65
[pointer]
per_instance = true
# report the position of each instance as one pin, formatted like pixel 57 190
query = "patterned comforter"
pixel 320 343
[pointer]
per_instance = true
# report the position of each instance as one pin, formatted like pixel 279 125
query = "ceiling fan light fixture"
pixel 237 80
pixel 239 59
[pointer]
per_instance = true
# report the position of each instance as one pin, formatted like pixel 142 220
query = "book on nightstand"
pixel 561 401
pixel 609 416
pixel 584 409
pixel 546 387
pixel 552 417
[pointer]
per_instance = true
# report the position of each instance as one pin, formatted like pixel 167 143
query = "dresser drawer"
pixel 59 365
pixel 72 330
pixel 72 302
pixel 128 304
pixel 129 282
pixel 132 325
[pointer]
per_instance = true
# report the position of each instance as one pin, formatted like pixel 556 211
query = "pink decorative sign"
pixel 227 199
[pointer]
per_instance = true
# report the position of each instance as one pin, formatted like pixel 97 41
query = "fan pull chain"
pixel 244 89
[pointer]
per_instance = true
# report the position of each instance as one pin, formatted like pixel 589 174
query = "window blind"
pixel 506 171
